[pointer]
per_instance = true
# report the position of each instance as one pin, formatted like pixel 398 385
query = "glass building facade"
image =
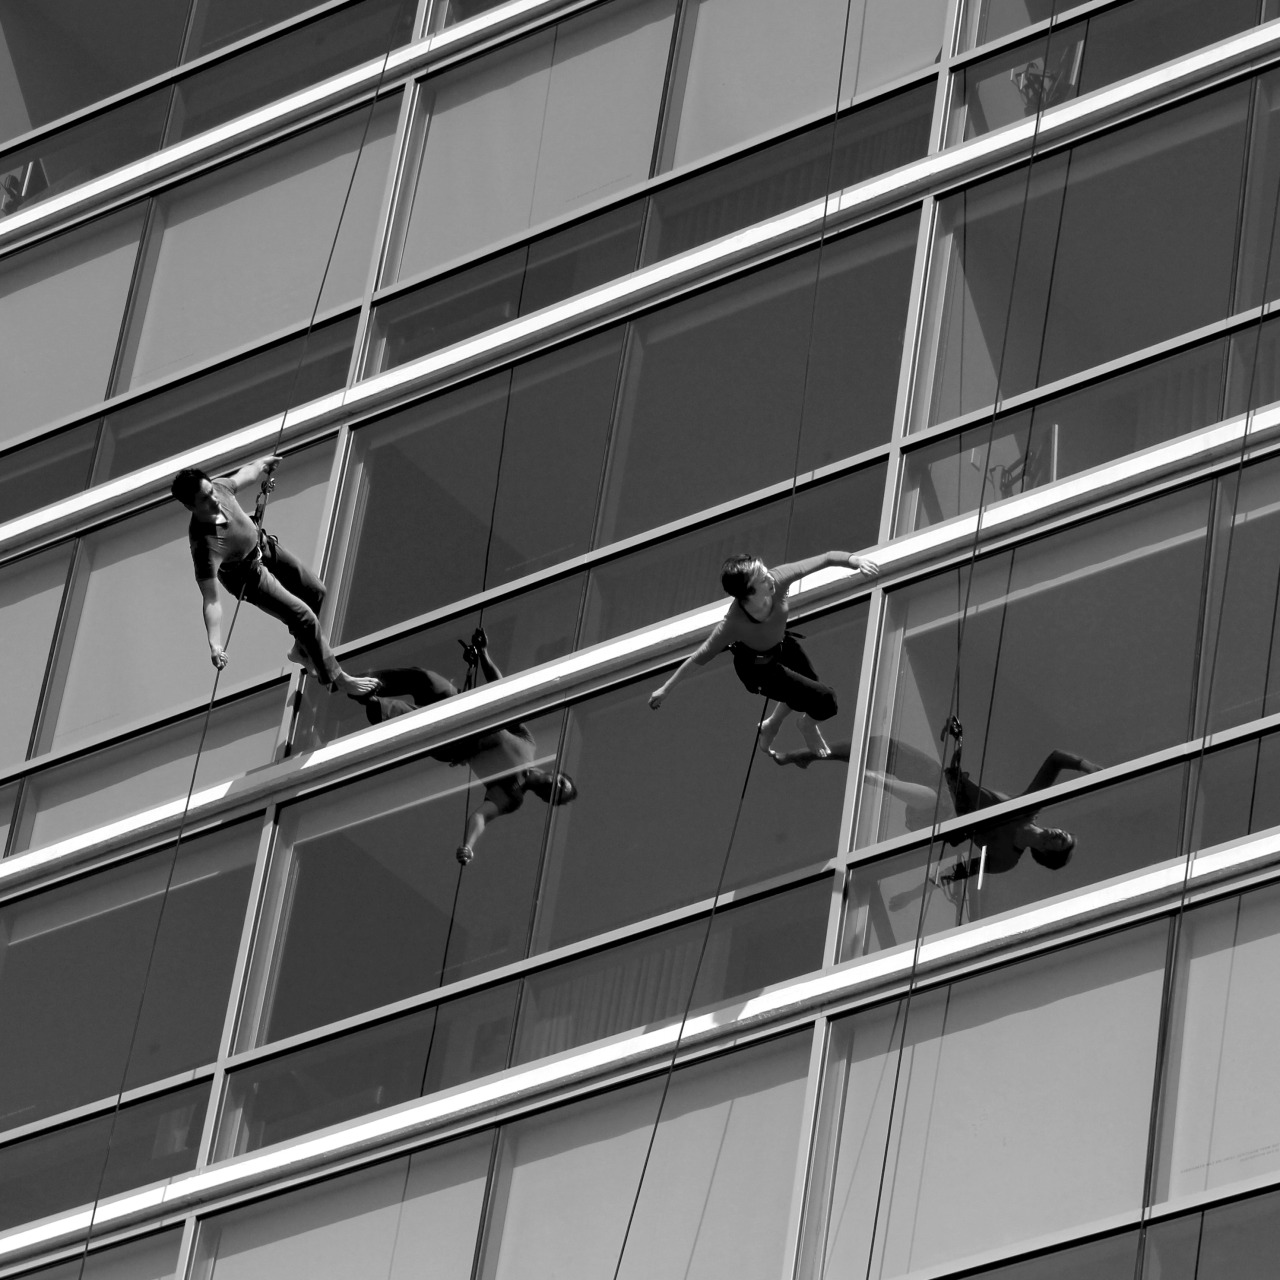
pixel 550 305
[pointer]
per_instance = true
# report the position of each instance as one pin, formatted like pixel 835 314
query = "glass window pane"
pixel 537 130
pixel 1035 1077
pixel 1113 219
pixel 1112 1258
pixel 1237 1241
pixel 497 472
pixel 61 55
pixel 369 1070
pixel 400 1220
pixel 241 254
pixel 715 1196
pixel 1221 1121
pixel 615 856
pixel 235 395
pixel 56 162
pixel 1083 643
pixel 990 19
pixel 376 894
pixel 141 1143
pixel 301 57
pixel 711 399
pixel 886 39
pixel 30 594
pixel 745 75
pixel 1067 434
pixel 60 309
pixel 648 980
pixel 119 672
pixel 8 797
pixel 85 949
pixel 152 1258
pixel 46 470
pixel 1239 792
pixel 221 22
pixel 1240 671
pixel 148 770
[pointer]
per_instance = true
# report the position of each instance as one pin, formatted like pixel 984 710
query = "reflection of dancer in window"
pixel 1004 840
pixel 766 657
pixel 507 751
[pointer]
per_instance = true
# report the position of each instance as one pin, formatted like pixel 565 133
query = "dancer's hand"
pixel 868 568
pixel 218 656
pixel 656 697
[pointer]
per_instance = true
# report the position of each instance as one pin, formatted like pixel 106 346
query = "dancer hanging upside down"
pixel 1004 840
pixel 507 752
pixel 766 657
pixel 228 547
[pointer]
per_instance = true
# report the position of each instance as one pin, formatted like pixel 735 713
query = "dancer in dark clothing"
pixel 766 658
pixel 1003 840
pixel 503 756
pixel 228 547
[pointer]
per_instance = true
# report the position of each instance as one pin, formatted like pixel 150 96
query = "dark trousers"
pixel 785 674
pixel 281 585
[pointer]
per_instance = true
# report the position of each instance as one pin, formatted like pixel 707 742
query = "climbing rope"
pixel 260 506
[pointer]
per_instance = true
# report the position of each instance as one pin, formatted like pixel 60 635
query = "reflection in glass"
pixel 60 308
pixel 138 1144
pixel 1084 56
pixel 1220 1119
pixel 1084 641
pixel 562 119
pixel 1032 1082
pixel 147 770
pixel 31 592
pixel 1111 249
pixel 378 907
pixel 87 949
pixel 1117 830
pixel 986 20
pixel 716 1189
pixel 398 1220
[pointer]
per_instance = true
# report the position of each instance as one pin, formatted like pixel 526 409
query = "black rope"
pixel 1195 774
pixel 954 708
pixel 268 484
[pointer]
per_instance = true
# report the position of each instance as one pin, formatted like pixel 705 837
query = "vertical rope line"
pixel 1195 774
pixel 208 712
pixel 724 866
pixel 913 976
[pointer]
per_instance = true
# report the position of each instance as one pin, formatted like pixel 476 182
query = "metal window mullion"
pixel 385 221
pixel 808 1123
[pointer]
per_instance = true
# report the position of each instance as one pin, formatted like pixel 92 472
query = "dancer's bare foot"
pixel 813 738
pixel 296 654
pixel 356 686
pixel 803 758
pixel 767 731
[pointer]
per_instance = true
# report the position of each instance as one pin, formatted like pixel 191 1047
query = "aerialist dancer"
pixel 228 547
pixel 507 751
pixel 766 657
pixel 1004 840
